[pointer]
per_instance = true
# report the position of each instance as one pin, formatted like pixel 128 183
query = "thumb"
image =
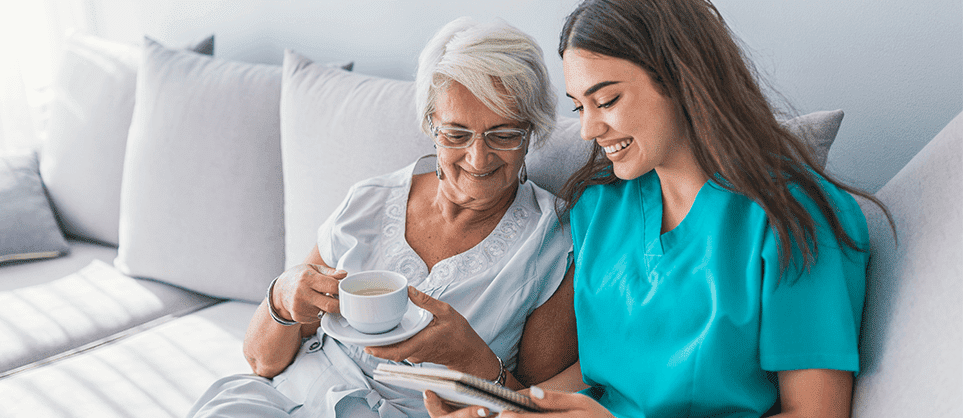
pixel 422 300
pixel 329 271
pixel 555 401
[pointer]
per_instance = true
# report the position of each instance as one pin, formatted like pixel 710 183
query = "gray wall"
pixel 894 66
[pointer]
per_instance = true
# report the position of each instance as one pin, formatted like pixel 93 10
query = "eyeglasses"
pixel 507 139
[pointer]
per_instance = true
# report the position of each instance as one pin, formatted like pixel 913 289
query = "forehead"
pixel 585 69
pixel 457 105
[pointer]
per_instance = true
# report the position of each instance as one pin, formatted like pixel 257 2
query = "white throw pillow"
pixel 82 159
pixel 201 200
pixel 338 128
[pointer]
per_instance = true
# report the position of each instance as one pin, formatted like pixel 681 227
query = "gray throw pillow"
pixel 28 229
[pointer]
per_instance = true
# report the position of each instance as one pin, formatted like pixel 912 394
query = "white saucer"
pixel 414 320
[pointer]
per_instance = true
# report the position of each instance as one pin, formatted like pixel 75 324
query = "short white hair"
pixel 481 56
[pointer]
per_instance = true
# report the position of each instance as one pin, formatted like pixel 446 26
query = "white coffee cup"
pixel 373 301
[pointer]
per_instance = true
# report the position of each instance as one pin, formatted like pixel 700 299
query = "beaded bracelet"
pixel 274 312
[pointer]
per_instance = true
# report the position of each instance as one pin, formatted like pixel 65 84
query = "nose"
pixel 478 153
pixel 592 125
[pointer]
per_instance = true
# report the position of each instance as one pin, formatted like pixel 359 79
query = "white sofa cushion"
pixel 911 350
pixel 49 319
pixel 82 159
pixel 338 128
pixel 201 199
pixel 28 229
pixel 155 372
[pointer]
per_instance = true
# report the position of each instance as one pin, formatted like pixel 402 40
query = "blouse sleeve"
pixel 811 317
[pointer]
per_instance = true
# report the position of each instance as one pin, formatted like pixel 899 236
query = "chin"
pixel 627 171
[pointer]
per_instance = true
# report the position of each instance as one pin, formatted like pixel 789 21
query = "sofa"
pixel 174 186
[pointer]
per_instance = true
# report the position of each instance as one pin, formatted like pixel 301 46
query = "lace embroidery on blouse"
pixel 400 257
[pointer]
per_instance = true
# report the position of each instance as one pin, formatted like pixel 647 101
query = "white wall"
pixel 894 66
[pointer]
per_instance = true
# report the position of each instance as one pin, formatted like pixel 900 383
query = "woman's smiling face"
pixel 476 177
pixel 624 111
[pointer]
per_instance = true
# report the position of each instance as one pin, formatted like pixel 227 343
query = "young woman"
pixel 718 270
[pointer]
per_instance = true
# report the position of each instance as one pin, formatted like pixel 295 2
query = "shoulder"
pixel 383 184
pixel 842 204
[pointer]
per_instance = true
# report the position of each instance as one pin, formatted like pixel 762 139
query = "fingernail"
pixel 537 392
pixel 482 412
pixel 424 394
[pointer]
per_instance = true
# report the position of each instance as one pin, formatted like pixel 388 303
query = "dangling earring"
pixel 438 173
pixel 523 174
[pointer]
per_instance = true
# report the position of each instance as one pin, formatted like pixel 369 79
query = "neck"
pixel 468 211
pixel 680 183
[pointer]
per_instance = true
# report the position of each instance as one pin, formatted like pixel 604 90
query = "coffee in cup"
pixel 374 301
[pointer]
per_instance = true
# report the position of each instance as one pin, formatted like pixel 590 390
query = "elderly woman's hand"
pixel 448 339
pixel 302 292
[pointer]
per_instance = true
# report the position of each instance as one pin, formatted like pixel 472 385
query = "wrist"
pixel 502 375
pixel 275 314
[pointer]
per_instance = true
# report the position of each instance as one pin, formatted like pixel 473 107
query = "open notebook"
pixel 459 389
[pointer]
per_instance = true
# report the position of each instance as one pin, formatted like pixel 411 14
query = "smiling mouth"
pixel 612 149
pixel 482 174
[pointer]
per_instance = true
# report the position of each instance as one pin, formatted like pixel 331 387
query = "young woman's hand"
pixel 555 404
pixel 448 340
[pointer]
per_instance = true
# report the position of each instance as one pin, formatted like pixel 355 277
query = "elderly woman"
pixel 482 248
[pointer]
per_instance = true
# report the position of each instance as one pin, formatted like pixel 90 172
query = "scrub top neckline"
pixel 650 195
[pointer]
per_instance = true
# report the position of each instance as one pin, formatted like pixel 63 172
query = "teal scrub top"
pixel 695 322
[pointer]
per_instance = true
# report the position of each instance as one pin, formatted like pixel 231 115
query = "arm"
pixel 299 294
pixel 549 343
pixel 815 393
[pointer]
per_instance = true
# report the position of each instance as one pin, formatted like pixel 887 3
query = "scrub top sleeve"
pixel 811 319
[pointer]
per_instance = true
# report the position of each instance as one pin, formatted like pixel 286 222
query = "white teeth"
pixel 482 175
pixel 617 147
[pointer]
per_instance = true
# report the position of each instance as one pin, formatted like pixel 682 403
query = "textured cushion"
pixel 912 337
pixel 201 200
pixel 98 301
pixel 338 128
pixel 28 228
pixel 90 115
pixel 156 372
pixel 818 129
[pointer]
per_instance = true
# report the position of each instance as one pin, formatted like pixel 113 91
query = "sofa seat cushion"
pixel 912 337
pixel 158 372
pixel 44 320
pixel 18 274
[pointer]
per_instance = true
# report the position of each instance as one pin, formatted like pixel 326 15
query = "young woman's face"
pixel 478 176
pixel 622 109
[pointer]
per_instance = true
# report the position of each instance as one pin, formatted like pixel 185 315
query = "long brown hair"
pixel 690 52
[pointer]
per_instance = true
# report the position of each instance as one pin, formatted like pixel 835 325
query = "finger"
pixel 437 408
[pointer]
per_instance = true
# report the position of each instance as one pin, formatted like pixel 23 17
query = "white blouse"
pixel 494 285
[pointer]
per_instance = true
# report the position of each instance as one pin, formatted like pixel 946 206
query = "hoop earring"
pixel 522 174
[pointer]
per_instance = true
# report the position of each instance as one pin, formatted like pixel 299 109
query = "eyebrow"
pixel 595 88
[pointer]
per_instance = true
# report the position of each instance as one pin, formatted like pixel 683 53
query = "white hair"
pixel 481 57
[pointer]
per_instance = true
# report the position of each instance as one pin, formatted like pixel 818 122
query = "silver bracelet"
pixel 502 375
pixel 274 312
